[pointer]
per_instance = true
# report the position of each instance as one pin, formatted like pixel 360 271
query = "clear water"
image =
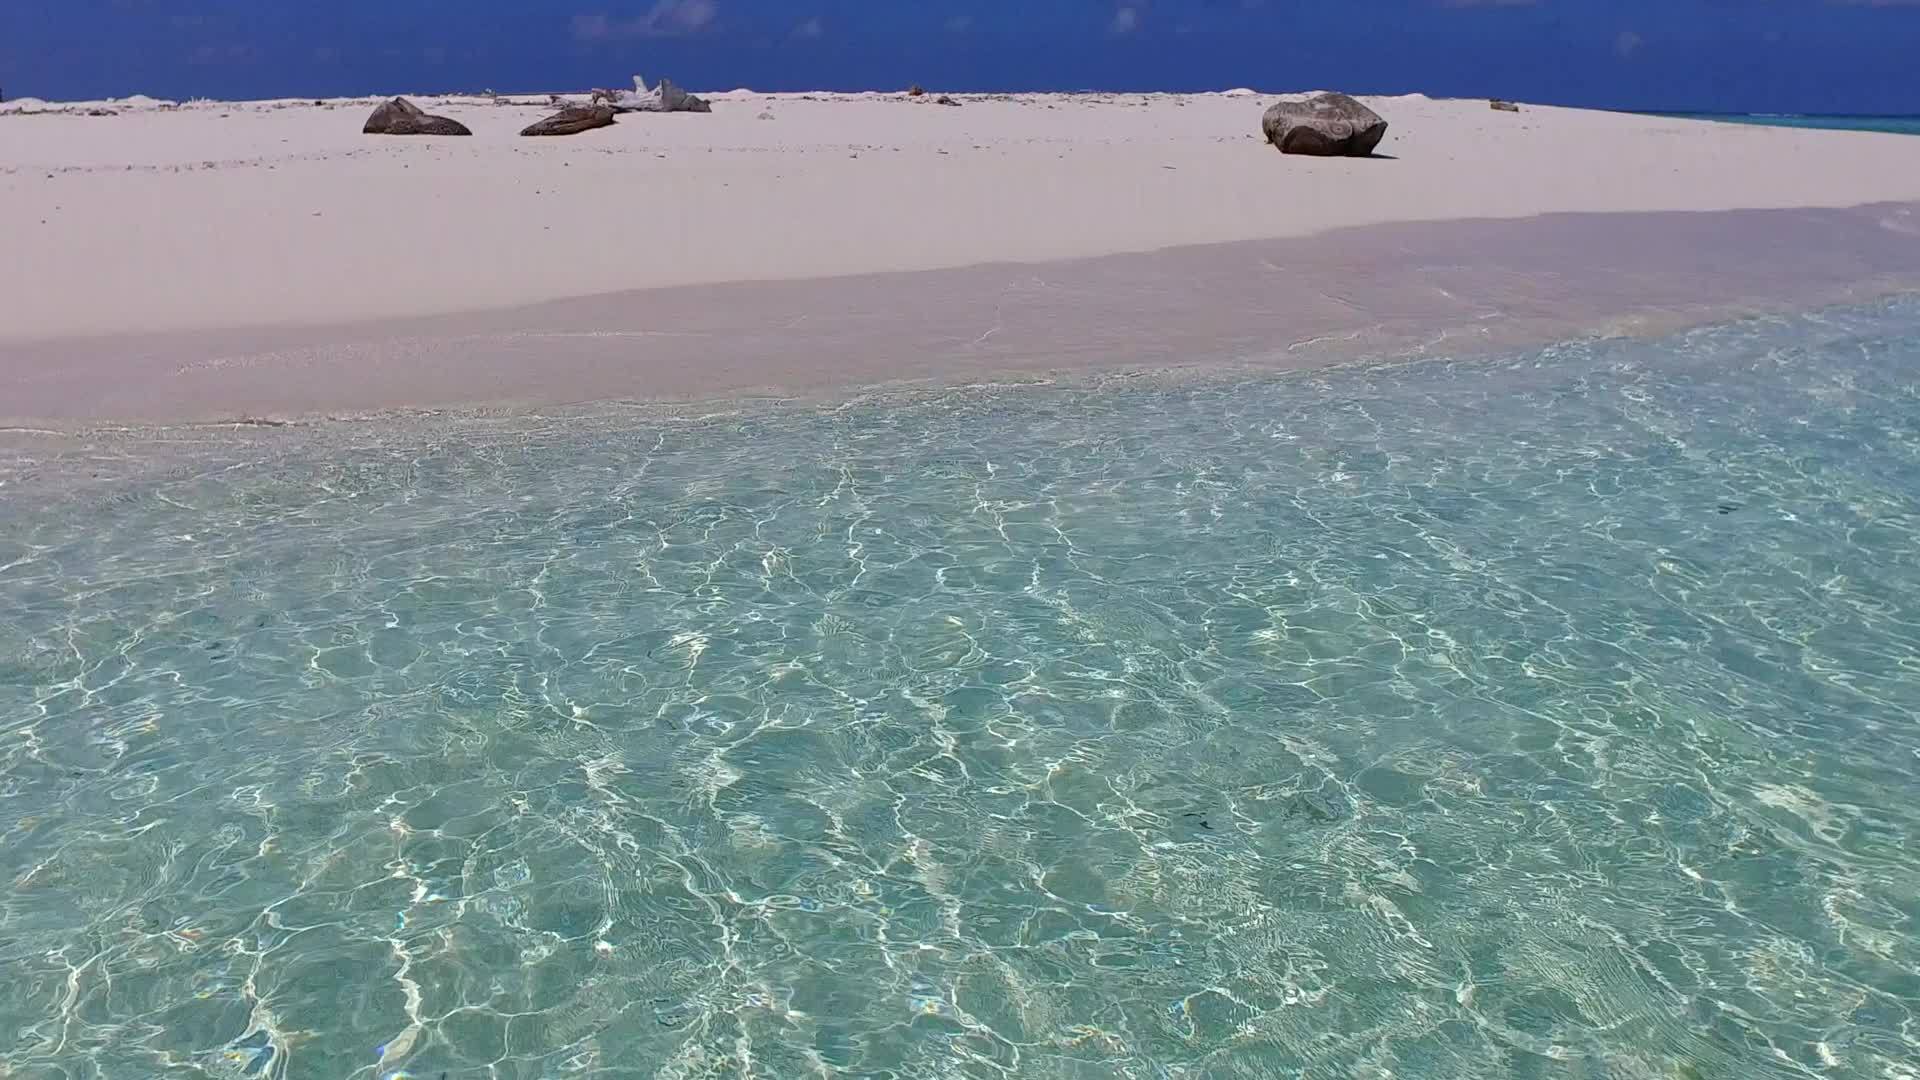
pixel 1549 716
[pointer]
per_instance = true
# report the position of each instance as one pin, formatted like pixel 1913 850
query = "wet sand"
pixel 1440 288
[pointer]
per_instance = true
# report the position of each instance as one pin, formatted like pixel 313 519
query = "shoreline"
pixel 106 462
pixel 1452 288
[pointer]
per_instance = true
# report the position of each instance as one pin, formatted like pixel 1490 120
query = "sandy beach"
pixel 852 586
pixel 218 259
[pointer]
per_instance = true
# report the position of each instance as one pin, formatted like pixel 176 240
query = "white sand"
pixel 214 260
pixel 261 214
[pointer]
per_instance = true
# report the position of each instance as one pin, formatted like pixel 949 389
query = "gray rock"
pixel 1503 106
pixel 572 120
pixel 1324 125
pixel 403 117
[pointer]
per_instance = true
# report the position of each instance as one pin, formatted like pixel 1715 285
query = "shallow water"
pixel 1891 125
pixel 1547 716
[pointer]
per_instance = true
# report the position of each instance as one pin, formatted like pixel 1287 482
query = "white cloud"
pixel 1627 43
pixel 592 27
pixel 667 18
pixel 1125 21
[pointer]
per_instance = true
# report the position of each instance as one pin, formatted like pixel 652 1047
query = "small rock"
pixel 403 117
pixel 572 120
pixel 1504 106
pixel 945 100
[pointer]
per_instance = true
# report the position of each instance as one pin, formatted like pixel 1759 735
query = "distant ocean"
pixel 1898 125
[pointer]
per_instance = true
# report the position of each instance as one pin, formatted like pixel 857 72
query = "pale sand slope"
pixel 1395 290
pixel 269 215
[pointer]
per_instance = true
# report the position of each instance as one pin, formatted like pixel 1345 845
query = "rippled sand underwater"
pixel 1547 716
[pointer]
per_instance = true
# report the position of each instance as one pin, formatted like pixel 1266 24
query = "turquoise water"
pixel 1898 125
pixel 1543 716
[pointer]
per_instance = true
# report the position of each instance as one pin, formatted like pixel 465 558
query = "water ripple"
pixel 1542 716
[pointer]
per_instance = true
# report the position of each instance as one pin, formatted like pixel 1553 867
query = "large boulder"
pixel 1324 125
pixel 572 120
pixel 403 117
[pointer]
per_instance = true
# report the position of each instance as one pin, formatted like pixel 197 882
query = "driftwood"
pixel 665 97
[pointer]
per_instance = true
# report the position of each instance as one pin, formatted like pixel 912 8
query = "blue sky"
pixel 1733 55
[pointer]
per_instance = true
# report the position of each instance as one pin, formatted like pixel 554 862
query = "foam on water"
pixel 1543 716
